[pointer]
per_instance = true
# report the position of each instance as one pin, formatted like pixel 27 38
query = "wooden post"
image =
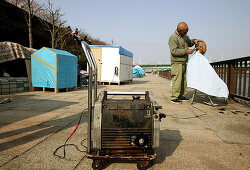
pixel 236 78
pixel 231 79
pixel 222 73
pixel 225 72
pixel 219 70
pixel 67 89
pixel 28 69
pixel 228 76
pixel 56 90
pixel 248 81
pixel 240 77
pixel 44 89
pixel 245 78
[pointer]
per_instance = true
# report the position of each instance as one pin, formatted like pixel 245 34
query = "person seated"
pixel 202 76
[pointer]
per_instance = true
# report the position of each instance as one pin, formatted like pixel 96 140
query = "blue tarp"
pixel 52 68
pixel 122 51
pixel 138 72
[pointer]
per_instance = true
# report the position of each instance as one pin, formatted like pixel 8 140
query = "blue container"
pixel 52 68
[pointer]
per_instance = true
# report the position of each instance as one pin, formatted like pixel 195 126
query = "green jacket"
pixel 178 47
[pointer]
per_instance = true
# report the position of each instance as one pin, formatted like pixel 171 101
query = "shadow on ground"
pixel 137 82
pixel 169 141
pixel 40 130
pixel 24 107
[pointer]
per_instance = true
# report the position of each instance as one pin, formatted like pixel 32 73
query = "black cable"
pixel 205 113
pixel 65 144
pixel 191 117
pixel 64 151
pixel 183 117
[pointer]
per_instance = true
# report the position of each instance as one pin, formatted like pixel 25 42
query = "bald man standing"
pixel 178 45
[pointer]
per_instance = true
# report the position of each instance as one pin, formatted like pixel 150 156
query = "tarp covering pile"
pixel 202 76
pixel 138 72
pixel 52 68
pixel 12 51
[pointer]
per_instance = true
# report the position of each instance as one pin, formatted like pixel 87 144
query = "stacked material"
pixel 114 63
pixel 12 51
pixel 52 68
pixel 13 85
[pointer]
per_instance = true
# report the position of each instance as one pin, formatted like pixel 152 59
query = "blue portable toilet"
pixel 52 68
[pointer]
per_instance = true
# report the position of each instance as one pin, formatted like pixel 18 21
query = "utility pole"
pixel 112 42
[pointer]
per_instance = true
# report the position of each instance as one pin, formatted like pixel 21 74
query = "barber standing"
pixel 178 45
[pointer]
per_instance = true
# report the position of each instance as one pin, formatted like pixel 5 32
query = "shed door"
pixel 110 60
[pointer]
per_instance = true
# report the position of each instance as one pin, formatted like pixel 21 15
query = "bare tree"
pixel 53 22
pixel 14 2
pixel 31 8
pixel 30 23
pixel 62 37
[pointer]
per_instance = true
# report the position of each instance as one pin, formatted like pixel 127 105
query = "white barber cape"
pixel 202 76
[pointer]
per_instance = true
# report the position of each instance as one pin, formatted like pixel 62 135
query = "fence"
pixel 236 74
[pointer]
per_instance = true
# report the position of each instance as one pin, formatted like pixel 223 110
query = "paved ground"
pixel 192 137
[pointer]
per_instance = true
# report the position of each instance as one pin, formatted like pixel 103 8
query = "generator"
pixel 121 125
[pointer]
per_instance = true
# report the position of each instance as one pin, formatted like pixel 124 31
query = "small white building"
pixel 114 63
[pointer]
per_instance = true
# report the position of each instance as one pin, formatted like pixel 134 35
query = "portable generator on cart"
pixel 126 128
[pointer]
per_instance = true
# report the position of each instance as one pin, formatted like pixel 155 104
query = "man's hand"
pixel 196 41
pixel 190 51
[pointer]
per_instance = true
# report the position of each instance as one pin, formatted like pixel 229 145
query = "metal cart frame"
pixel 143 160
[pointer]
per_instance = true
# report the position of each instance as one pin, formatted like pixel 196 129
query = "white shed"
pixel 115 64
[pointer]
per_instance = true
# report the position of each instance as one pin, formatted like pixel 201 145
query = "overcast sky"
pixel 144 26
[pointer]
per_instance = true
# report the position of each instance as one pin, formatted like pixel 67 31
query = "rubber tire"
pixel 97 164
pixel 142 165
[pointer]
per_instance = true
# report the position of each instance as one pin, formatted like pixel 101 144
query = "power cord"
pixel 190 117
pixel 65 144
pixel 205 113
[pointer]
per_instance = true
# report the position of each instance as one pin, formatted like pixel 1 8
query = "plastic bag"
pixel 202 76
pixel 6 100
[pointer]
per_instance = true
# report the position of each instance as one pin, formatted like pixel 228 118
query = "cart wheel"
pixel 97 164
pixel 142 165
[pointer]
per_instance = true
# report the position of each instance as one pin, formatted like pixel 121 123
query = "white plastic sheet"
pixel 202 76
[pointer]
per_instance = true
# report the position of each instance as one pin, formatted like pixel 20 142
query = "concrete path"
pixel 194 136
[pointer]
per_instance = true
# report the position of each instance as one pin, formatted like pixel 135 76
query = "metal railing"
pixel 92 71
pixel 235 73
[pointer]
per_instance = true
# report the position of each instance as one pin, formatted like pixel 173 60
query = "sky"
pixel 144 26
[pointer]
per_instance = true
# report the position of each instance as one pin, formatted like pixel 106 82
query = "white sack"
pixel 202 76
